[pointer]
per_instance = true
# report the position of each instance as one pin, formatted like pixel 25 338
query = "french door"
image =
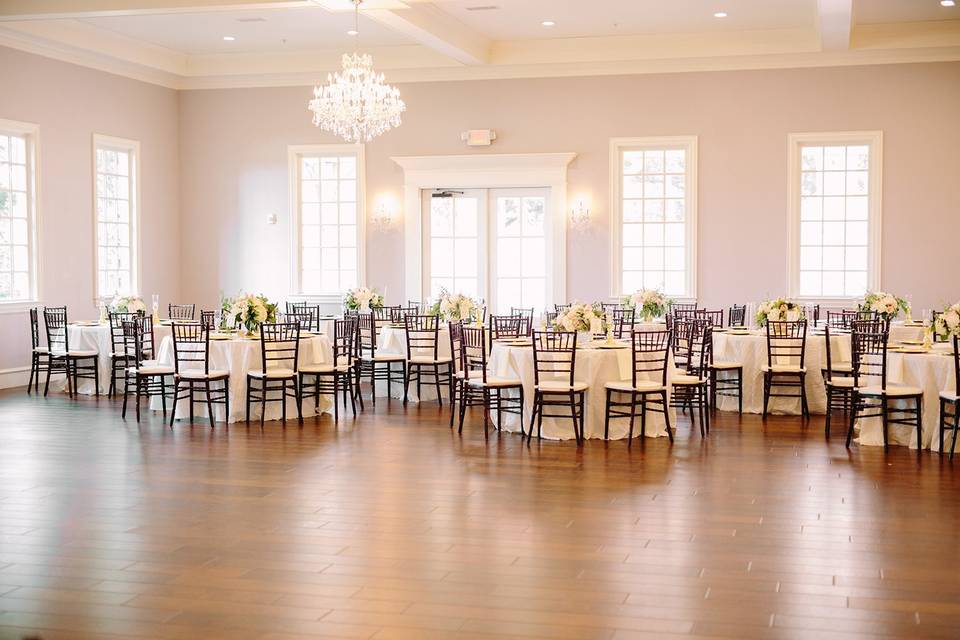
pixel 488 243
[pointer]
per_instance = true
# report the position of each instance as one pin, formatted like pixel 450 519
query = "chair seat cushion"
pixel 41 350
pixel 890 391
pixel 784 368
pixel 642 385
pixel 686 379
pixel 842 383
pixel 429 360
pixel 151 370
pixel 949 395
pixel 383 357
pixel 561 386
pixel 198 374
pixel 271 373
pixel 492 381
pixel 721 364
pixel 324 368
pixel 76 353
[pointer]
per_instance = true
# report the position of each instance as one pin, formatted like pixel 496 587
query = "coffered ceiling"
pixel 215 43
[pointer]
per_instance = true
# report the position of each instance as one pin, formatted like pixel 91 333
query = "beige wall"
pixel 70 104
pixel 234 172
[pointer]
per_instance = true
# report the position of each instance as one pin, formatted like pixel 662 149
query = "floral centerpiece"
pixel 251 311
pixel 128 304
pixel 777 310
pixel 648 303
pixel 455 306
pixel 362 299
pixel 886 305
pixel 582 318
pixel 947 323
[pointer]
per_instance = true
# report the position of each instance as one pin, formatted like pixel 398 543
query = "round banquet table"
pixel 596 367
pixel 931 371
pixel 95 336
pixel 393 340
pixel 238 356
pixel 750 349
pixel 900 331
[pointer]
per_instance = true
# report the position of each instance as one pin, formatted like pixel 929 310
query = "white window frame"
pixel 31 132
pixel 294 153
pixel 874 210
pixel 617 146
pixel 133 148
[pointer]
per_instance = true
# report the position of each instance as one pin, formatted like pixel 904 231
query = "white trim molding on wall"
pixel 100 141
pixel 32 133
pixel 795 142
pixel 294 153
pixel 688 143
pixel 487 171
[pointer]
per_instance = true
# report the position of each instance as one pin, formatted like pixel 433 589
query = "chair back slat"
pixel 58 338
pixel 621 320
pixel 651 351
pixel 714 317
pixel 117 331
pixel 422 336
pixel 554 356
pixel 473 352
pixel 208 319
pixel 191 347
pixel 506 326
pixel 345 341
pixel 786 342
pixel 308 315
pixel 868 346
pixel 182 311
pixel 527 315
pixel 737 316
pixel 34 327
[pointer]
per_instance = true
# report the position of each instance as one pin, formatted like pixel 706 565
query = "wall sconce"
pixel 580 216
pixel 381 217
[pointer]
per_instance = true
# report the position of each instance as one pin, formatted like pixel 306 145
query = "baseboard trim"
pixel 14 377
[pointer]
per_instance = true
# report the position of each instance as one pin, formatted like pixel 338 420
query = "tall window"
pixel 329 215
pixel 521 248
pixel 116 190
pixel 835 214
pixel 654 235
pixel 455 232
pixel 17 212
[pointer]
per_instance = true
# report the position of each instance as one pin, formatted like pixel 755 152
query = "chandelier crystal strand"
pixel 356 104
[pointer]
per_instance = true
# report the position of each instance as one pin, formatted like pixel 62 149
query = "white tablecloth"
pixel 596 367
pixel 751 351
pixel 239 356
pixel 900 331
pixel 933 373
pixel 84 337
pixel 393 340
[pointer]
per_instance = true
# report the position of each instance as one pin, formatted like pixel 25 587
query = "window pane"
pixel 115 210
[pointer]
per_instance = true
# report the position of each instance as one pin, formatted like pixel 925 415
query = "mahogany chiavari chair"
pixel 209 319
pixel 415 304
pixel 560 308
pixel 837 384
pixel 147 377
pixel 555 385
pixel 120 359
pixel 691 390
pixel 527 314
pixel 77 364
pixel 39 355
pixel 872 393
pixel 304 318
pixel 548 319
pixel 507 327
pixel 455 331
pixel 480 388
pixel 648 384
pixel 785 367
pixel 280 354
pixel 726 379
pixel 715 318
pixel 181 312
pixel 192 372
pixel 305 310
pixel 337 376
pixel 398 314
pixel 423 355
pixel 377 366
pixel 622 320
pixel 737 316
pixel 951 399
pixel 681 308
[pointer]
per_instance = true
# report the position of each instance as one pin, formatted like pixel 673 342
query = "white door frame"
pixel 491 171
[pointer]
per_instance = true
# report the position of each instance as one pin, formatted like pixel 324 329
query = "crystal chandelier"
pixel 355 104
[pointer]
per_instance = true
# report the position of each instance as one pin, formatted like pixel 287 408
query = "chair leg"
pixel 46 385
pixel 956 429
pixel 853 417
pixel 336 388
pixel 633 415
pixel 740 391
pixel 176 394
pixel 163 394
pixel 126 393
pixel 666 414
pixel 248 401
pixel 829 411
pixel 226 400
pixel 96 377
pixel 33 370
pixel 883 412
pixel 766 393
pixel 436 381
pixel 573 415
pixel 919 425
pixel 941 424
pixel 804 407
pixel 606 417
pixel 209 402
pixel 533 414
pixel 464 393
pixel 139 382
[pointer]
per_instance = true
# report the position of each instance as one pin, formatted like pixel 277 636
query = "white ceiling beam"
pixel 431 27
pixel 57 9
pixel 834 22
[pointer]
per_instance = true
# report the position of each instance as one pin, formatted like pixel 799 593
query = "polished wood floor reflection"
pixel 394 527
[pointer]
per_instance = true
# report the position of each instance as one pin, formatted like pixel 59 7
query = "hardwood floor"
pixel 393 527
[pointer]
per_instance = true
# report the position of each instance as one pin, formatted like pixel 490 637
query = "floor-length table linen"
pixel 594 366
pixel 89 336
pixel 240 355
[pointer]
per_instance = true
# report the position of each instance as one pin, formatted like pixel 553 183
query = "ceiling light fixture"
pixel 229 38
pixel 720 14
pixel 548 23
pixel 355 104
pixel 948 3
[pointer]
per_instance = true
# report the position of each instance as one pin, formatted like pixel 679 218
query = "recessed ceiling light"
pixel 548 23
pixel 948 3
pixel 229 38
pixel 720 14
pixel 352 32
